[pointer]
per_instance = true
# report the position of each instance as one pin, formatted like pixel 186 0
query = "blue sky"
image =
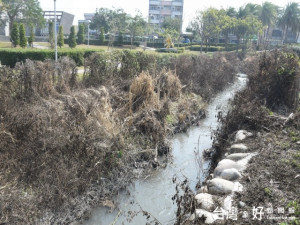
pixel 79 7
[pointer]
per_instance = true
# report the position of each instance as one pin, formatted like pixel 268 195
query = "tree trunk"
pixel 284 35
pixel 226 41
pixel 131 40
pixel 201 48
pixel 237 44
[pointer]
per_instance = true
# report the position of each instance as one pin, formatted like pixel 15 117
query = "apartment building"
pixel 161 9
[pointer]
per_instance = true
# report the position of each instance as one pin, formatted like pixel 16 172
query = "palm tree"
pixel 268 15
pixel 247 10
pixel 290 19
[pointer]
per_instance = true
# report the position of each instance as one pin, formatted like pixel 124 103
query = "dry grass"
pixel 141 93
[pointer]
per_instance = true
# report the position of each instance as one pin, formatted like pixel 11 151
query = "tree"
pixel 51 34
pixel 60 38
pixel 111 20
pixel 247 29
pixel 208 25
pixel 290 19
pixel 136 26
pixel 72 38
pixel 268 15
pixel 120 39
pixel 28 10
pixel 101 19
pixel 80 34
pixel 15 35
pixel 23 39
pixel 31 37
pixel 172 24
pixel 228 23
pixel 101 37
pixel 249 9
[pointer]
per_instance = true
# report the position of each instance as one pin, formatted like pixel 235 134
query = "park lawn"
pixel 5 44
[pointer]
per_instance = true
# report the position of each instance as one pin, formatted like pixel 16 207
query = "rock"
pixel 237 156
pixel 207 153
pixel 192 217
pixel 227 203
pixel 298 142
pixel 205 201
pixel 228 164
pixel 242 135
pixel 225 162
pixel 238 148
pixel 218 186
pixel 246 160
pixel 203 189
pixel 209 217
pixel 238 187
pixel 230 174
pixel 242 204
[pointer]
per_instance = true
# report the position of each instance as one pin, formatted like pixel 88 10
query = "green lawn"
pixel 83 46
pixel 5 44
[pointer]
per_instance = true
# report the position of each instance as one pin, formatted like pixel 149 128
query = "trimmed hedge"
pixel 10 57
pixel 155 45
pixel 171 50
pixel 105 43
pixel 214 48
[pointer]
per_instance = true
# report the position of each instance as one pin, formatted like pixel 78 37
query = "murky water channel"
pixel 154 193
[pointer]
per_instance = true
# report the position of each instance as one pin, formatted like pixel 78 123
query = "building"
pixel 161 9
pixel 62 18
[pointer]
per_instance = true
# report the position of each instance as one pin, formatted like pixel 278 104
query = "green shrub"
pixel 23 39
pixel 155 44
pixel 209 49
pixel 167 50
pixel 15 35
pixel 10 57
pixel 72 38
pixel 60 38
pixel 51 34
pixel 180 49
pixel 80 34
pixel 31 37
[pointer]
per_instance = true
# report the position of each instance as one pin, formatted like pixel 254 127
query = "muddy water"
pixel 154 193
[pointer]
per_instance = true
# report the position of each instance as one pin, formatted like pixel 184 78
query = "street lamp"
pixel 89 32
pixel 55 32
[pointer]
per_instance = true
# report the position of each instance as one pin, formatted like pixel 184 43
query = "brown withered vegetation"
pixel 67 145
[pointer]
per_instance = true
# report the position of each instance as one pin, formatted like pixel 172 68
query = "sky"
pixel 79 7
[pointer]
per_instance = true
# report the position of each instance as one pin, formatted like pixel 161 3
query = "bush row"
pixel 10 57
pixel 105 43
pixel 171 50
pixel 216 48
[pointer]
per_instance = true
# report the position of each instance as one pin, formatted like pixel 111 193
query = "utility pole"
pixel 55 32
